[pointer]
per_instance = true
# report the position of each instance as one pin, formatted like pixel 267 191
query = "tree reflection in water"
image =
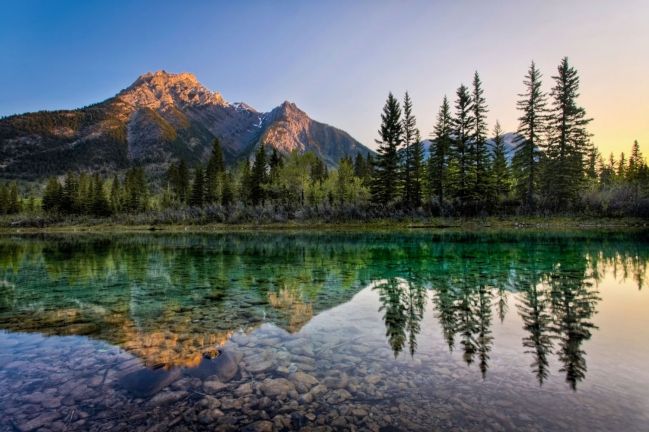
pixel 165 297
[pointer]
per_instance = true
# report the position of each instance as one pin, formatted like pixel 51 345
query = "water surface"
pixel 413 331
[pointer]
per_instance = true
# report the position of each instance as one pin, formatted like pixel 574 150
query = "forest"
pixel 464 169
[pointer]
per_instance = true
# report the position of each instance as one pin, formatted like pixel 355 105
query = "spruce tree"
pixel 4 199
pixel 621 167
pixel 635 170
pixel 482 183
pixel 197 197
pixel 52 196
pixel 568 140
pixel 527 144
pixel 178 177
pixel 70 194
pixel 385 182
pixel 439 153
pixel 13 204
pixel 416 170
pixel 500 169
pixel 258 177
pixel 462 149
pixel 411 197
pixel 136 191
pixel 227 191
pixel 100 205
pixel 213 172
pixel 635 163
pixel 115 195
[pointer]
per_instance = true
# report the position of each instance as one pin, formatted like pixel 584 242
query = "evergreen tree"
pixel 635 163
pixel 136 191
pixel 532 125
pixel 100 205
pixel 70 196
pixel 417 170
pixel 227 190
pixel 621 167
pixel 385 183
pixel 591 167
pixel 462 146
pixel 178 177
pixel 439 153
pixel 213 173
pixel 635 171
pixel 115 195
pixel 197 197
pixel 363 168
pixel 568 140
pixel 52 196
pixel 14 203
pixel 482 187
pixel 318 169
pixel 4 199
pixel 500 168
pixel 411 195
pixel 258 177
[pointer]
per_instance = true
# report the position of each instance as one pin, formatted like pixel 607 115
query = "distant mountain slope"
pixel 508 139
pixel 159 118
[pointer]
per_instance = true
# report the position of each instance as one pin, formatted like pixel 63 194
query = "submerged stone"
pixel 147 382
pixel 223 366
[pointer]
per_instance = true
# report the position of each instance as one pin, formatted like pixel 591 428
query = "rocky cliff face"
pixel 159 118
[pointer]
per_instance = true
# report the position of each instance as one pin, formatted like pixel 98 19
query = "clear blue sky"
pixel 336 59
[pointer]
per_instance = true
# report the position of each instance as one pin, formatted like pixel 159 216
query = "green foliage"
pixel 568 140
pixel 412 157
pixel 482 191
pixel 136 190
pixel 258 176
pixel 178 180
pixel 10 201
pixel 197 197
pixel 385 183
pixel 214 174
pixel 439 155
pixel 532 126
pixel 500 171
pixel 462 176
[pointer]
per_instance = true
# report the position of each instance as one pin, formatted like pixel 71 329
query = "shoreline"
pixel 518 224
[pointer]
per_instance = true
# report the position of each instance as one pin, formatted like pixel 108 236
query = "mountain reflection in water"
pixel 167 299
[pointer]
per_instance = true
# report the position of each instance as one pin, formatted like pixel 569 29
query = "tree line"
pixel 553 165
pixel 465 168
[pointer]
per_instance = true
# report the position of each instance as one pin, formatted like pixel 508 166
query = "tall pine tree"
pixel 438 156
pixel 499 168
pixel 214 173
pixel 462 150
pixel 411 165
pixel 568 140
pixel 481 189
pixel 257 192
pixel 532 126
pixel 385 184
pixel 197 197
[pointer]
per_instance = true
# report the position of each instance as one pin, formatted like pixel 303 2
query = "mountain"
pixel 508 140
pixel 159 118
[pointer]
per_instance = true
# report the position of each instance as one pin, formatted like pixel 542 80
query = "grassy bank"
pixel 446 224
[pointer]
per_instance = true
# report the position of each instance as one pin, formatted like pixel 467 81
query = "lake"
pixel 361 331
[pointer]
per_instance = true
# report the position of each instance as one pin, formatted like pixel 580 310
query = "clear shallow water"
pixel 289 331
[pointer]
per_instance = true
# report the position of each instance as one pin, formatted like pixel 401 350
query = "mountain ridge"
pixel 161 117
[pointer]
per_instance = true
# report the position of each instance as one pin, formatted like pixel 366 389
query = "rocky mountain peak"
pixel 158 89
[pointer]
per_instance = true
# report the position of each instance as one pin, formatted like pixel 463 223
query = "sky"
pixel 337 60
